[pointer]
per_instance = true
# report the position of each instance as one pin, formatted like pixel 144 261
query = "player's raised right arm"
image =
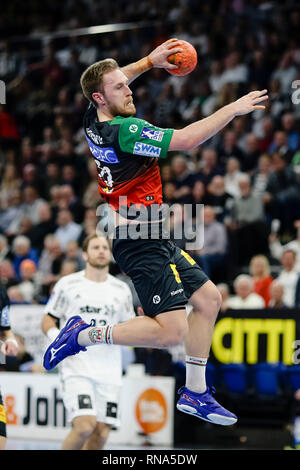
pixel 198 132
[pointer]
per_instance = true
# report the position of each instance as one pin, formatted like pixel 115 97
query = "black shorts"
pixel 163 275
pixel 2 418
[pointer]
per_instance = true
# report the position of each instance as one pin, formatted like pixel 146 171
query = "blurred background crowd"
pixel 248 176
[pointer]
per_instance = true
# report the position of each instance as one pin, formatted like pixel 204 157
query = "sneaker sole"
pixel 213 418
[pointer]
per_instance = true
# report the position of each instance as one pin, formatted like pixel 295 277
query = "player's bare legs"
pixel 98 438
pixel 2 442
pixel 165 330
pixel 206 302
pixel 82 428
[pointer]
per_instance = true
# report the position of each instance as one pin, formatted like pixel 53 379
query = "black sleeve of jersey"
pixel 4 309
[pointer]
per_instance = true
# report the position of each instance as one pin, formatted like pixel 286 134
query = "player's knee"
pixel 85 426
pixel 208 303
pixel 172 336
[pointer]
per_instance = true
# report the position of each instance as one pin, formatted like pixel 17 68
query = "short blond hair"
pixel 92 78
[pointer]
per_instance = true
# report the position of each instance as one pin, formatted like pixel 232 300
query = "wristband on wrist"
pixel 143 65
pixel 12 340
pixel 52 333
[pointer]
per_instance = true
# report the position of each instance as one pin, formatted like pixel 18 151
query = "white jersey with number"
pixel 98 303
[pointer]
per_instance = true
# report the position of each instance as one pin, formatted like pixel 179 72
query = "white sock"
pixel 195 374
pixel 95 335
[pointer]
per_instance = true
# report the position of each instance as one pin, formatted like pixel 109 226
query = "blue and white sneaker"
pixel 65 344
pixel 204 406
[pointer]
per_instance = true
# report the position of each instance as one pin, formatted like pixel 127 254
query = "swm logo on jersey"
pixel 146 150
pixel 107 155
pixel 152 134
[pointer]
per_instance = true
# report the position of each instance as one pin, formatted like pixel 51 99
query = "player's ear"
pixel 84 256
pixel 98 98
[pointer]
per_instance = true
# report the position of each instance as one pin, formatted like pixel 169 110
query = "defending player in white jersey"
pixel 91 381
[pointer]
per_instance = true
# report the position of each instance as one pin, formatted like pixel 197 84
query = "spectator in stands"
pixel 245 297
pixel 260 177
pixel 277 249
pixel 67 230
pixel 11 217
pixel 259 270
pixel 265 135
pixel 89 224
pixel 289 278
pixel 248 230
pixel 74 253
pixel 286 72
pixel 52 177
pixel 251 153
pixel 10 181
pixel 69 200
pixel 225 293
pixel 7 274
pixel 21 249
pixel 4 248
pixel 288 123
pixel 232 176
pixel 212 255
pixel 68 267
pixel 208 165
pixel 32 202
pixel 218 198
pixel 281 197
pixel 70 178
pixel 229 148
pixel 45 226
pixel 276 295
pixel 183 178
pixel 91 197
pixel 169 192
pixel 280 145
pixel 26 289
pixel 198 195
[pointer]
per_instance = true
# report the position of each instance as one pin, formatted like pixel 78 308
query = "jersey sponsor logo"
pixel 111 409
pixel 84 401
pixel 146 150
pixel 5 317
pixel 106 154
pixel 133 128
pixel 96 138
pixel 152 134
pixel 178 291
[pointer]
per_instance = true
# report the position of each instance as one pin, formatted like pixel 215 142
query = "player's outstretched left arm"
pixel 157 58
pixel 198 132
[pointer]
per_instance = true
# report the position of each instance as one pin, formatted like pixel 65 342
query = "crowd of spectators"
pixel 247 176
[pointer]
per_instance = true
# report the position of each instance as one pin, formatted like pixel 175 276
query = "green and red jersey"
pixel 126 152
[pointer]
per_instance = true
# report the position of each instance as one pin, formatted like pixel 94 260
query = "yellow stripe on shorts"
pixel 188 257
pixel 2 414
